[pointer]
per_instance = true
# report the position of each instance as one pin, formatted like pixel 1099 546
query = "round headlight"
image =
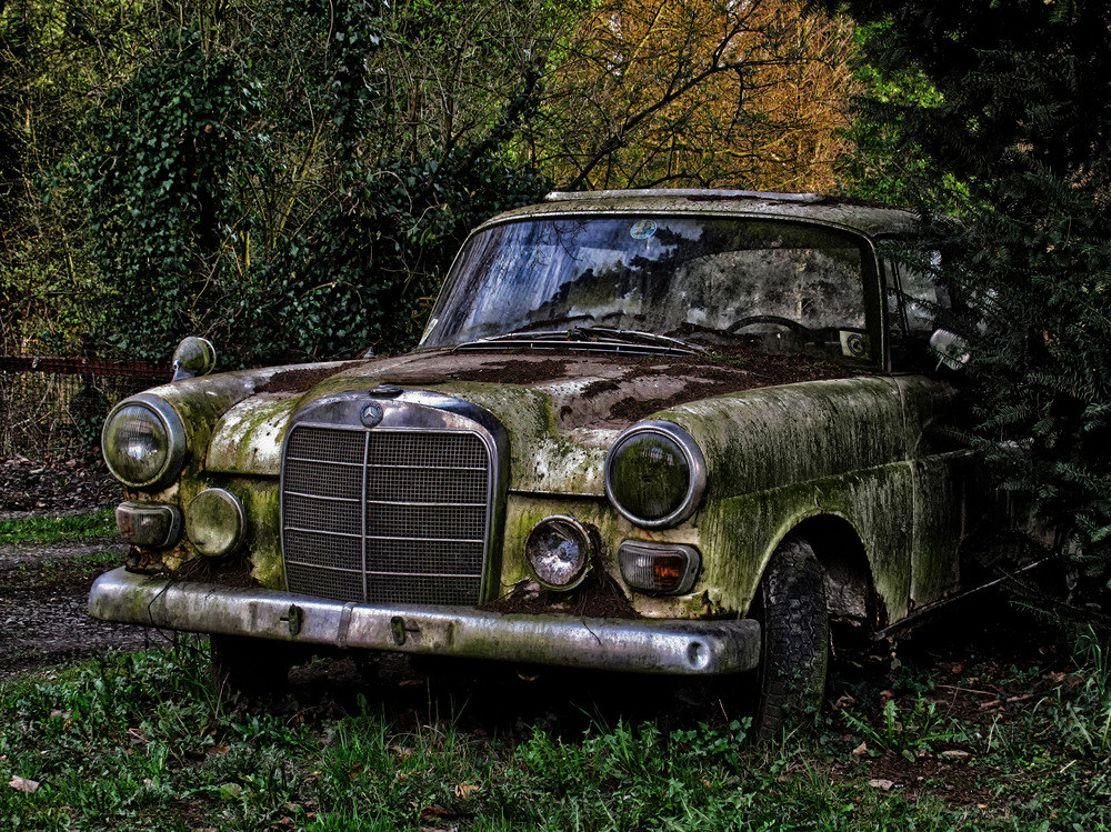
pixel 655 474
pixel 559 551
pixel 143 442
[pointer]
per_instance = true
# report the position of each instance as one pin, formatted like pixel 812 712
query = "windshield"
pixel 699 278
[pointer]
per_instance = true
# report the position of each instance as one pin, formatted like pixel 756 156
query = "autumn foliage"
pixel 700 93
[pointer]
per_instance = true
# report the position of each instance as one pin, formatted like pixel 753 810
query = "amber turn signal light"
pixel 659 568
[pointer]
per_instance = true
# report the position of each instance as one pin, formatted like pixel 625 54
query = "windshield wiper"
pixel 587 333
pixel 605 337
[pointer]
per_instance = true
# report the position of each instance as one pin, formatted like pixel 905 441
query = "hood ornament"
pixel 386 391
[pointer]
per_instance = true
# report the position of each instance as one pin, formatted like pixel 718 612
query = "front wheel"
pixel 795 621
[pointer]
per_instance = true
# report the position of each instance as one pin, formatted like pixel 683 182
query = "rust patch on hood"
pixel 501 369
pixel 597 390
pixel 656 386
pixel 296 381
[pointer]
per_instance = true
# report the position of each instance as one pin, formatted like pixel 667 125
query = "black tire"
pixel 795 660
pixel 250 668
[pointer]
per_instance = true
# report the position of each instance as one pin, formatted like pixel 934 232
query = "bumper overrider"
pixel 629 645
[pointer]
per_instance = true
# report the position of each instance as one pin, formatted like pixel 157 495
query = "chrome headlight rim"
pixel 175 441
pixel 696 462
pixel 586 543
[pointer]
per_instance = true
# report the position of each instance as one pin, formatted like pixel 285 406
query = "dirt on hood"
pixel 587 389
pixel 590 389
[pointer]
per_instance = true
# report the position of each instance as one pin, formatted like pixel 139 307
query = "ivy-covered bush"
pixel 159 193
pixel 275 213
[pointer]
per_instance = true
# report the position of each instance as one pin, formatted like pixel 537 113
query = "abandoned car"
pixel 673 432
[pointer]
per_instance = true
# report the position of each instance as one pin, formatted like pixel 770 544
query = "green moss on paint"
pixel 261 500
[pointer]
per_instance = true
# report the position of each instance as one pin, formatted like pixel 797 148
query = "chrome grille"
pixel 385 515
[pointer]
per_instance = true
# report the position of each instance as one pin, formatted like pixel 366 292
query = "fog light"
pixel 659 568
pixel 149 524
pixel 559 550
pixel 214 522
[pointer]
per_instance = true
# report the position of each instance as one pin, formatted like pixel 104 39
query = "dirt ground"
pixel 42 605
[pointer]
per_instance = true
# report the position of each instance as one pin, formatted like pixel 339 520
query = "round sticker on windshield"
pixel 643 229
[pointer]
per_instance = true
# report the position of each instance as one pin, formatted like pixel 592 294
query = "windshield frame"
pixel 875 321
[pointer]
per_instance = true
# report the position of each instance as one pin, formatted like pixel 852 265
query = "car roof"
pixel 852 215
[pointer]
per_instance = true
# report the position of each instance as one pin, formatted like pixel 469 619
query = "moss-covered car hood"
pixel 562 409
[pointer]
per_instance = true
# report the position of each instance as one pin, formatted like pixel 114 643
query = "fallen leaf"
pixel 860 750
pixel 435 811
pixel 886 785
pixel 218 749
pixel 955 754
pixel 465 790
pixel 22 784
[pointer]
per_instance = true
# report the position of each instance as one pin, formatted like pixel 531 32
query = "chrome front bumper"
pixel 630 645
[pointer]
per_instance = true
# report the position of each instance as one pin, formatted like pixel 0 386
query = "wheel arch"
pixel 850 584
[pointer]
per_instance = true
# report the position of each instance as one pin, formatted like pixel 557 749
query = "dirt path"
pixel 42 605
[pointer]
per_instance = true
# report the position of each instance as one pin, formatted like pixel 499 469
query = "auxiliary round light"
pixel 559 550
pixel 214 522
pixel 655 474
pixel 143 442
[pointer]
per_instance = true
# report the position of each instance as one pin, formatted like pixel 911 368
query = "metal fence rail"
pixel 52 407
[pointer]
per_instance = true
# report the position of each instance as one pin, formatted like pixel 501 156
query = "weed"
pixel 1085 718
pixel 908 732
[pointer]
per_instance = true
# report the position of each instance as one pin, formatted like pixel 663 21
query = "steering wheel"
pixel 799 329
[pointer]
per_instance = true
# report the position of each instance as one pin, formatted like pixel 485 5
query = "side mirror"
pixel 950 348
pixel 193 357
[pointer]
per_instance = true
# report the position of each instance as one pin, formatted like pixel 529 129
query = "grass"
pixel 60 573
pixel 142 741
pixel 66 528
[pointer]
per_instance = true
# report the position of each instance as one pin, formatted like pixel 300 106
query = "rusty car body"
pixel 390 503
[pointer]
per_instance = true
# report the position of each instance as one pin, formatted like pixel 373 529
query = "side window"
pixel 914 298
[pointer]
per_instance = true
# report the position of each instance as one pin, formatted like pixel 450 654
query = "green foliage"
pixel 158 196
pixel 142 741
pixel 1085 721
pixel 1019 111
pixel 69 527
pixel 888 164
pixel 290 179
pixel 908 733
